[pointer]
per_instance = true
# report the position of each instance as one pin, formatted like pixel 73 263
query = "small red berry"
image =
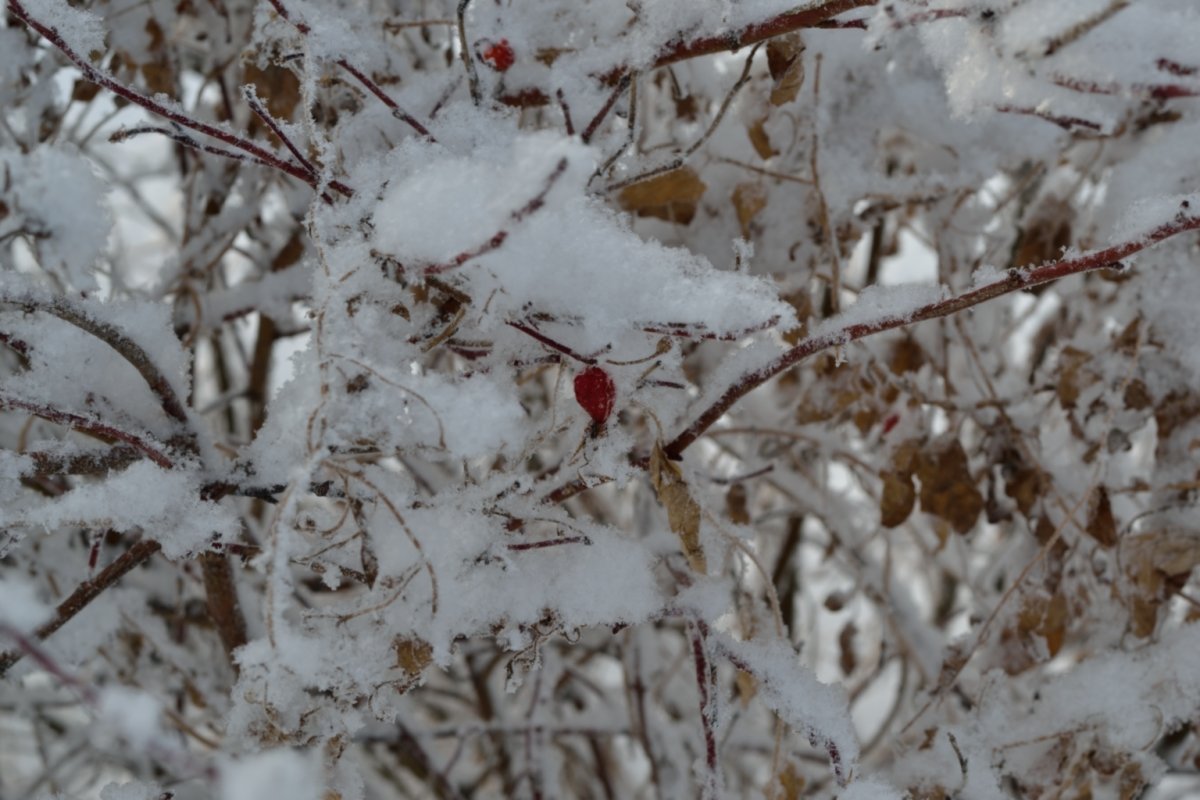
pixel 596 393
pixel 890 423
pixel 497 55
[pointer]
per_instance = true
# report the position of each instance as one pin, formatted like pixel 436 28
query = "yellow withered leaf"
pixel 672 196
pixel 683 512
pixel 748 200
pixel 412 655
pixel 758 137
pixel 898 497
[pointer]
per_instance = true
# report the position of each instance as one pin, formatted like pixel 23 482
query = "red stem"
pixel 616 93
pixel 523 546
pixel 86 425
pixel 778 25
pixel 707 689
pixel 1015 279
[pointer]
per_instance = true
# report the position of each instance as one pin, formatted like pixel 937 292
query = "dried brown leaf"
pixel 683 512
pixel 672 196
pixel 758 137
pixel 791 784
pixel 1100 523
pixel 1044 235
pixel 277 86
pixel 413 655
pixel 898 497
pixel 785 62
pixel 1024 484
pixel 748 200
pixel 747 687
pixel 947 489
pixel 906 356
pixel 847 657
pixel 735 504
pixel 1073 377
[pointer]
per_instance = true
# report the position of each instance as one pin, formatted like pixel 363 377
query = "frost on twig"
pixel 839 441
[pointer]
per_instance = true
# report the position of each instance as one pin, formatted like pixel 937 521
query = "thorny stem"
pixel 681 158
pixel 523 546
pixel 787 22
pixel 32 648
pixel 373 87
pixel 537 335
pixel 220 592
pixel 261 112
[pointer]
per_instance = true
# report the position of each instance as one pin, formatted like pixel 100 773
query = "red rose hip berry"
pixel 497 55
pixel 596 393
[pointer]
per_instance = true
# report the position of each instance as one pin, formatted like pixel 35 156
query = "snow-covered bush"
pixel 639 398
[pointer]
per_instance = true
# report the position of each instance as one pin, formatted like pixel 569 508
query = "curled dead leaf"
pixel 758 137
pixel 683 512
pixel 747 687
pixel 785 62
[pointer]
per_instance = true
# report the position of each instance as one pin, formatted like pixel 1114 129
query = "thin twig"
pixel 85 593
pixel 835 288
pixel 613 96
pixel 698 632
pixel 465 48
pixel 682 158
pixel 93 75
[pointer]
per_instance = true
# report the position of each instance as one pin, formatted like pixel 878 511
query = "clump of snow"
pixel 293 774
pixel 165 504
pixel 821 711
pixel 868 789
pixel 53 195
pixel 571 257
pixel 131 714
pixel 882 304
pixel 133 790
pixel 20 607
pixel 82 30
pixel 1149 213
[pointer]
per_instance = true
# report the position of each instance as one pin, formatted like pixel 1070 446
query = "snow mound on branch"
pixel 53 196
pixel 568 256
